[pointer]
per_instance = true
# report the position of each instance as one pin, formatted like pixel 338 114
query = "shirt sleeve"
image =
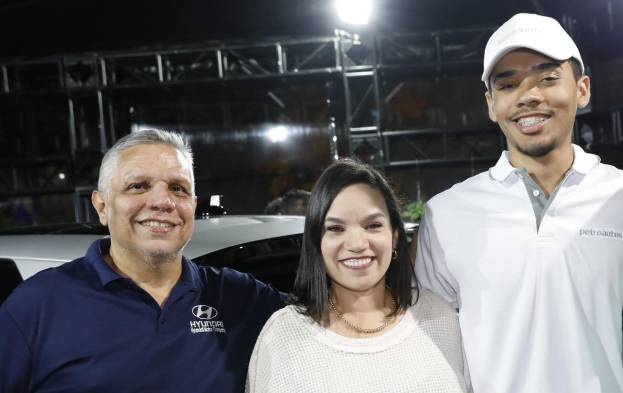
pixel 259 299
pixel 430 262
pixel 466 376
pixel 269 300
pixel 15 356
pixel 260 366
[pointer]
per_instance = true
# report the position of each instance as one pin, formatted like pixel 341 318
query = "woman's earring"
pixel 394 255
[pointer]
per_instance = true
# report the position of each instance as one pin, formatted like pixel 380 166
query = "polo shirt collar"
pixel 95 258
pixel 502 169
pixel 583 163
pixel 190 274
pixel 105 274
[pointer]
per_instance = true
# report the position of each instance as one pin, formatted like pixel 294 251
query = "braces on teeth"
pixel 530 121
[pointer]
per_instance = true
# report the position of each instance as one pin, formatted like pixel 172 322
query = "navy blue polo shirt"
pixel 83 328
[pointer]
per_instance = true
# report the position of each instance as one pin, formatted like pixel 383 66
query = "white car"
pixel 266 246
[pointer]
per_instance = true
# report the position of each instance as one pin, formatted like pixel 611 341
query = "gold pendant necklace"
pixel 358 329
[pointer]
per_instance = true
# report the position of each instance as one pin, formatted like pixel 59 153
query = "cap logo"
pixel 518 31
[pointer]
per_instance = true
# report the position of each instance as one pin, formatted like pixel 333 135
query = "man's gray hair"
pixel 143 137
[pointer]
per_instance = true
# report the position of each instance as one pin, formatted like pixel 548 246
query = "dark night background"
pixel 38 28
pixel 431 118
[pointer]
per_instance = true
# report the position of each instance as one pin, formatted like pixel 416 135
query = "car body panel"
pixel 33 253
pixel 217 233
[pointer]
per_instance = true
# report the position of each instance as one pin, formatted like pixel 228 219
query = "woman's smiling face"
pixel 357 239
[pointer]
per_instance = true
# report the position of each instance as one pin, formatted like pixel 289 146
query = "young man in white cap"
pixel 531 251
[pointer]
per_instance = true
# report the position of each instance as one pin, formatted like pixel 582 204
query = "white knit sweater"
pixel 422 353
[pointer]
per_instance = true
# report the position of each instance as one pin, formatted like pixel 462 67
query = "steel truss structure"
pixel 368 71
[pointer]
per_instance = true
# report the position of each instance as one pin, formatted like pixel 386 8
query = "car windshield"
pixel 273 261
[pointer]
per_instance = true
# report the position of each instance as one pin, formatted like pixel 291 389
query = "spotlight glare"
pixel 277 134
pixel 356 12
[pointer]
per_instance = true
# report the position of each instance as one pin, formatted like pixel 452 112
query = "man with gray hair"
pixel 529 252
pixel 134 315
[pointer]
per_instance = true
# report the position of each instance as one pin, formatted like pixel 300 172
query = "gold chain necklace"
pixel 360 329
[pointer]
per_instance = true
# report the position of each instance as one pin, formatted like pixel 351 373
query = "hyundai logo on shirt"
pixel 202 311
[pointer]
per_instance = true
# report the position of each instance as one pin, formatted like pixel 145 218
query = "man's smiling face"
pixel 534 100
pixel 150 203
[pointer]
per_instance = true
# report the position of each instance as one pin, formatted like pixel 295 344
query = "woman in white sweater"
pixel 356 323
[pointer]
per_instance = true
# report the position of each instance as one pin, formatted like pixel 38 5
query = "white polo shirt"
pixel 540 309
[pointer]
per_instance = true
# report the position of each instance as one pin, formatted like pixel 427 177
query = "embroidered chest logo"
pixel 205 321
pixel 202 311
pixel 601 232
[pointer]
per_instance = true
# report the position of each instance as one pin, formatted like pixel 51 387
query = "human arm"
pixel 15 356
pixel 430 262
pixel 466 376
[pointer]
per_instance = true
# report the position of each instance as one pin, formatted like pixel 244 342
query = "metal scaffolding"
pixel 366 68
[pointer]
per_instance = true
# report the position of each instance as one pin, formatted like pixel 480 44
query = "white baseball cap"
pixel 536 32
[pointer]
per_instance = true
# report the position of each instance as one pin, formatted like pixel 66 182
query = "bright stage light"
pixel 278 134
pixel 356 12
